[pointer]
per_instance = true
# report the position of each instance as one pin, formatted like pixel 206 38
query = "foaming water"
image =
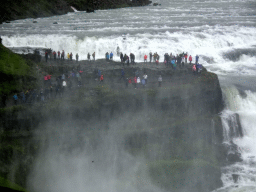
pixel 206 28
pixel 245 171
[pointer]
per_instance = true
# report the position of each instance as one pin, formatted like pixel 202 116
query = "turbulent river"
pixel 221 32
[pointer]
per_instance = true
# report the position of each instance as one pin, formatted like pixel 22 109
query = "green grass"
pixel 16 73
pixel 11 63
pixel 6 183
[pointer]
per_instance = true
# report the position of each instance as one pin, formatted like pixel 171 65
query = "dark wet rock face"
pixel 174 127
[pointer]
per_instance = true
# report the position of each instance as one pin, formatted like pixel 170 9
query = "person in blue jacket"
pixel 111 56
pixel 122 74
pixel 99 74
pixel 15 97
pixel 197 58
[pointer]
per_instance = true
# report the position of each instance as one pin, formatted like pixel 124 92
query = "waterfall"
pixel 239 132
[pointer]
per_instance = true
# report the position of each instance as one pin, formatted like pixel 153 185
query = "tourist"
pixel 101 79
pixel 145 76
pixel 186 58
pixel 143 82
pixel 58 54
pixel 138 81
pixel 150 57
pixel 190 59
pixel 49 79
pixel 64 84
pixel 45 80
pixel 197 58
pixel 122 57
pixel 135 82
pixel 107 56
pixel 126 82
pixel 77 57
pixel 93 56
pixel 54 55
pixel 15 97
pixel 145 58
pixel 71 56
pixel 111 56
pixel 99 74
pixel 46 56
pixel 194 69
pixel 160 81
pixel 89 57
pixel 62 54
pixel 183 61
pixel 122 74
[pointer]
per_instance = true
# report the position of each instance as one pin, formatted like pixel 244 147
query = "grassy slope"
pixel 9 184
pixel 16 73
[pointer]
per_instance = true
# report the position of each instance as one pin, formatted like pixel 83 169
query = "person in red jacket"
pixel 49 79
pixel 58 54
pixel 186 58
pixel 45 79
pixel 190 59
pixel 101 79
pixel 145 58
pixel 135 82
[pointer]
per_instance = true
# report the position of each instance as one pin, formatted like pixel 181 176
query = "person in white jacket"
pixel 145 76
pixel 160 80
pixel 138 81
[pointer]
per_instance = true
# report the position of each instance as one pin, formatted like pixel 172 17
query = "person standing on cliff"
pixel 183 61
pixel 54 55
pixel 135 82
pixel 68 56
pixel 160 81
pixel 197 58
pixel 15 97
pixel 46 56
pixel 138 81
pixel 99 74
pixel 101 79
pixel 145 76
pixel 77 57
pixel 150 57
pixel 186 58
pixel 71 56
pixel 121 57
pixel 145 58
pixel 122 74
pixel 190 59
pixel 111 56
pixel 194 69
pixel 62 54
pixel 58 54
pixel 49 79
pixel 93 56
pixel 89 57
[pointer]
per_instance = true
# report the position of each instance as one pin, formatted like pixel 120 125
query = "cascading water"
pixel 240 176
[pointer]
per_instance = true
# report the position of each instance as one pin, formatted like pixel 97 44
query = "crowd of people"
pixel 169 59
pixel 65 81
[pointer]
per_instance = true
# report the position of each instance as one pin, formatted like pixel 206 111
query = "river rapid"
pixel 221 32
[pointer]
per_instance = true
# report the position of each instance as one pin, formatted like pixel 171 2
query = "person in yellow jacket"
pixel 68 56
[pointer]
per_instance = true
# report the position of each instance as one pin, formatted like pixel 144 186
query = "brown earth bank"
pixel 182 136
pixel 22 9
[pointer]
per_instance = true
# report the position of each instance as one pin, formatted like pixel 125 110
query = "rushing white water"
pixel 222 32
pixel 245 106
